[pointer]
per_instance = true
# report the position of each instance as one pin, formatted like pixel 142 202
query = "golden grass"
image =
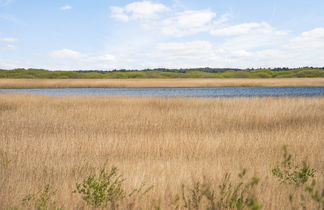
pixel 161 141
pixel 155 83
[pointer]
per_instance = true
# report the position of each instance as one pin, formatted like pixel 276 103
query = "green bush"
pixel 106 190
pixel 292 173
pixel 99 191
pixel 229 196
pixel 298 175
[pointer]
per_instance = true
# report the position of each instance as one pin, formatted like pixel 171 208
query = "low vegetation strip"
pixel 305 72
pixel 159 83
pixel 171 153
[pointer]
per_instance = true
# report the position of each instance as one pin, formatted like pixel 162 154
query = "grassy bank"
pixel 155 83
pixel 162 142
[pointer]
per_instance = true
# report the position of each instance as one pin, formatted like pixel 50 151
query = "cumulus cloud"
pixel 140 10
pixel 246 28
pixel 309 40
pixel 188 22
pixel 73 58
pixel 183 49
pixel 65 7
pixel 241 51
pixel 207 39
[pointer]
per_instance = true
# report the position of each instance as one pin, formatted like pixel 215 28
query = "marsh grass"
pixel 164 142
pixel 161 83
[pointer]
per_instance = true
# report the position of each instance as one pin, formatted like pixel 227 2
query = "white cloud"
pixel 8 39
pixel 74 59
pixel 10 47
pixel 65 7
pixel 68 54
pixel 263 49
pixel 7 43
pixel 242 51
pixel 11 64
pixel 207 39
pixel 102 58
pixel 309 40
pixel 140 10
pixel 183 49
pixel 119 14
pixel 246 28
pixel 74 55
pixel 188 22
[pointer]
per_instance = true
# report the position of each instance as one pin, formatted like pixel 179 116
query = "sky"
pixel 125 34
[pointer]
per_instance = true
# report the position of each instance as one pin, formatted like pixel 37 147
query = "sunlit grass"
pixel 155 83
pixel 163 142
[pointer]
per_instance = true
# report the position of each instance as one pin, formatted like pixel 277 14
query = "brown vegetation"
pixel 163 142
pixel 155 83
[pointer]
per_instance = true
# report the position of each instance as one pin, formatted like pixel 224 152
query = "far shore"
pixel 159 83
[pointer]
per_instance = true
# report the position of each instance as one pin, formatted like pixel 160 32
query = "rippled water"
pixel 175 92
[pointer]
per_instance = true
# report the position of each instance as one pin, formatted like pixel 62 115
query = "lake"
pixel 175 92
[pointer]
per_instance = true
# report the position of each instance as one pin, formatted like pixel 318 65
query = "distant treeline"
pixel 165 73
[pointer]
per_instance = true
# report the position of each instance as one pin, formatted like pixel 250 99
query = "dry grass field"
pixel 163 142
pixel 155 83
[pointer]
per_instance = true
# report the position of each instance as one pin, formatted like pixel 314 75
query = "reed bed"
pixel 164 142
pixel 160 83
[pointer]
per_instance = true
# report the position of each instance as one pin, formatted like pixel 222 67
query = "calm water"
pixel 175 92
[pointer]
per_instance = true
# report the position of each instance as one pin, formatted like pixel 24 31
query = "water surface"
pixel 175 92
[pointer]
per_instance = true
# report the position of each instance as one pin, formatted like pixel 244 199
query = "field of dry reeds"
pixel 164 142
pixel 160 83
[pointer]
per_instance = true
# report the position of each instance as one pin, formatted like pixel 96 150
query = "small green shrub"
pixel 42 200
pixel 99 191
pixel 316 194
pixel 291 173
pixel 107 190
pixel 230 196
pixel 298 176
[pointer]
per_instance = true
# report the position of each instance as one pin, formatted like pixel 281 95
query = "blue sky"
pixel 114 34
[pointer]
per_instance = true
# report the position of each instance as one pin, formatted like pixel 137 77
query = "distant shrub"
pixel 165 73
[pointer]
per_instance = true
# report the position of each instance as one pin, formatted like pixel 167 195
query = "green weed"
pixel 42 200
pixel 229 196
pixel 106 190
pixel 298 175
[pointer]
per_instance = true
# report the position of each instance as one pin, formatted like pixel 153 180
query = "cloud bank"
pixel 154 35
